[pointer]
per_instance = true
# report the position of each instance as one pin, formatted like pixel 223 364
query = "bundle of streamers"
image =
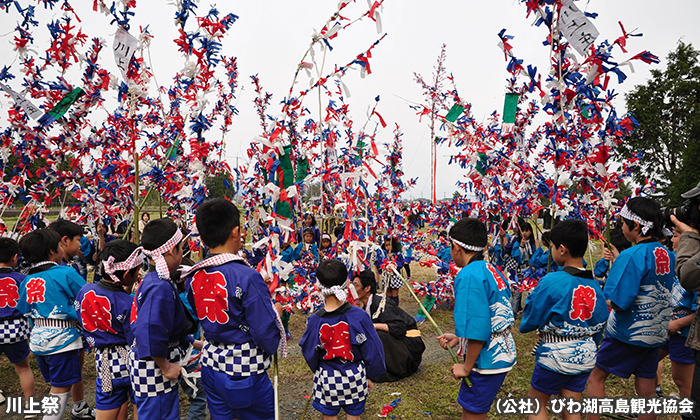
pixel 512 166
pixel 67 141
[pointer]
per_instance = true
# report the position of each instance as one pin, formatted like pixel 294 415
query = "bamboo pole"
pixel 430 318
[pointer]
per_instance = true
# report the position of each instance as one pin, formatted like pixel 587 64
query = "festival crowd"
pixel 155 320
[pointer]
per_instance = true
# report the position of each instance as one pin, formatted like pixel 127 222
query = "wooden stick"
pixel 430 318
pixel 276 387
pixel 308 401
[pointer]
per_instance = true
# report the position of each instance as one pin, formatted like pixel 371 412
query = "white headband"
pixel 338 291
pixel 157 254
pixel 135 259
pixel 462 244
pixel 628 214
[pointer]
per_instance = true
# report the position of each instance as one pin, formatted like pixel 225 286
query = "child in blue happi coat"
pixel 242 330
pixel 341 346
pixel 104 310
pixel 618 243
pixel 682 357
pixel 390 253
pixel 638 290
pixel 568 310
pixel 483 318
pixel 47 296
pixel 14 328
pixel 161 325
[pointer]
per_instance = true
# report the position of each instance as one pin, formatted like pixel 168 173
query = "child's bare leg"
pixel 565 393
pixel 349 417
pixel 112 414
pixel 325 417
pixel 26 377
pixel 595 387
pixel 468 415
pixel 543 398
pixel 646 388
pixel 683 377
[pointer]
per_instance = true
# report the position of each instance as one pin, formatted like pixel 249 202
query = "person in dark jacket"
pixel 403 345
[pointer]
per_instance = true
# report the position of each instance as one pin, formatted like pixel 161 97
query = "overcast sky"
pixel 271 37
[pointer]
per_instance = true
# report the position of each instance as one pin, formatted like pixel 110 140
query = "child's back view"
pixel 341 347
pixel 239 322
pixel 638 290
pixel 160 324
pixel 104 311
pixel 14 328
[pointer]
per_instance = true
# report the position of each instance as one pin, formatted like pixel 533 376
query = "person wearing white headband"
pixel 161 325
pixel 341 347
pixel 483 318
pixel 103 312
pixel 638 290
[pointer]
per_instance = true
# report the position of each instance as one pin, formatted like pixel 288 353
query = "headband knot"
pixel 338 291
pixel 157 254
pixel 628 214
pixel 110 267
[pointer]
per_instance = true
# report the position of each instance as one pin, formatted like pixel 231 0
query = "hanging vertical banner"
pixel 32 110
pixel 124 47
pixel 576 27
pixel 510 108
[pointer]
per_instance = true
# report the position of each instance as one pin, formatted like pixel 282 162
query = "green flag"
pixel 510 107
pixel 454 113
pixel 285 179
pixel 61 107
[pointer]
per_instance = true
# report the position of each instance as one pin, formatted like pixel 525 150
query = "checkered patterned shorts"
pixel 117 366
pixel 14 330
pixel 336 387
pixel 147 379
pixel 235 359
pixel 391 279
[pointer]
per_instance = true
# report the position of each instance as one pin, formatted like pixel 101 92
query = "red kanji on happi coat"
pixel 210 296
pixel 96 313
pixel 336 341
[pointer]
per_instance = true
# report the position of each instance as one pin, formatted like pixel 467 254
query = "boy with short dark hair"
pixel 70 241
pixel 568 310
pixel 47 295
pixel 341 346
pixel 638 290
pixel 236 314
pixel 160 324
pixel 103 311
pixel 71 235
pixel 14 328
pixel 483 318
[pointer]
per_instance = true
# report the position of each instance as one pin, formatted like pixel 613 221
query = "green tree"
pixel 668 110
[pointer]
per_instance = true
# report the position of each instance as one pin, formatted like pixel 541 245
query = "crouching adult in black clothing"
pixel 403 345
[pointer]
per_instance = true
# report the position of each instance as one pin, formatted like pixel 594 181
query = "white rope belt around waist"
pixel 503 333
pixel 57 323
pixel 681 312
pixel 547 337
pixel 105 364
pixel 189 377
